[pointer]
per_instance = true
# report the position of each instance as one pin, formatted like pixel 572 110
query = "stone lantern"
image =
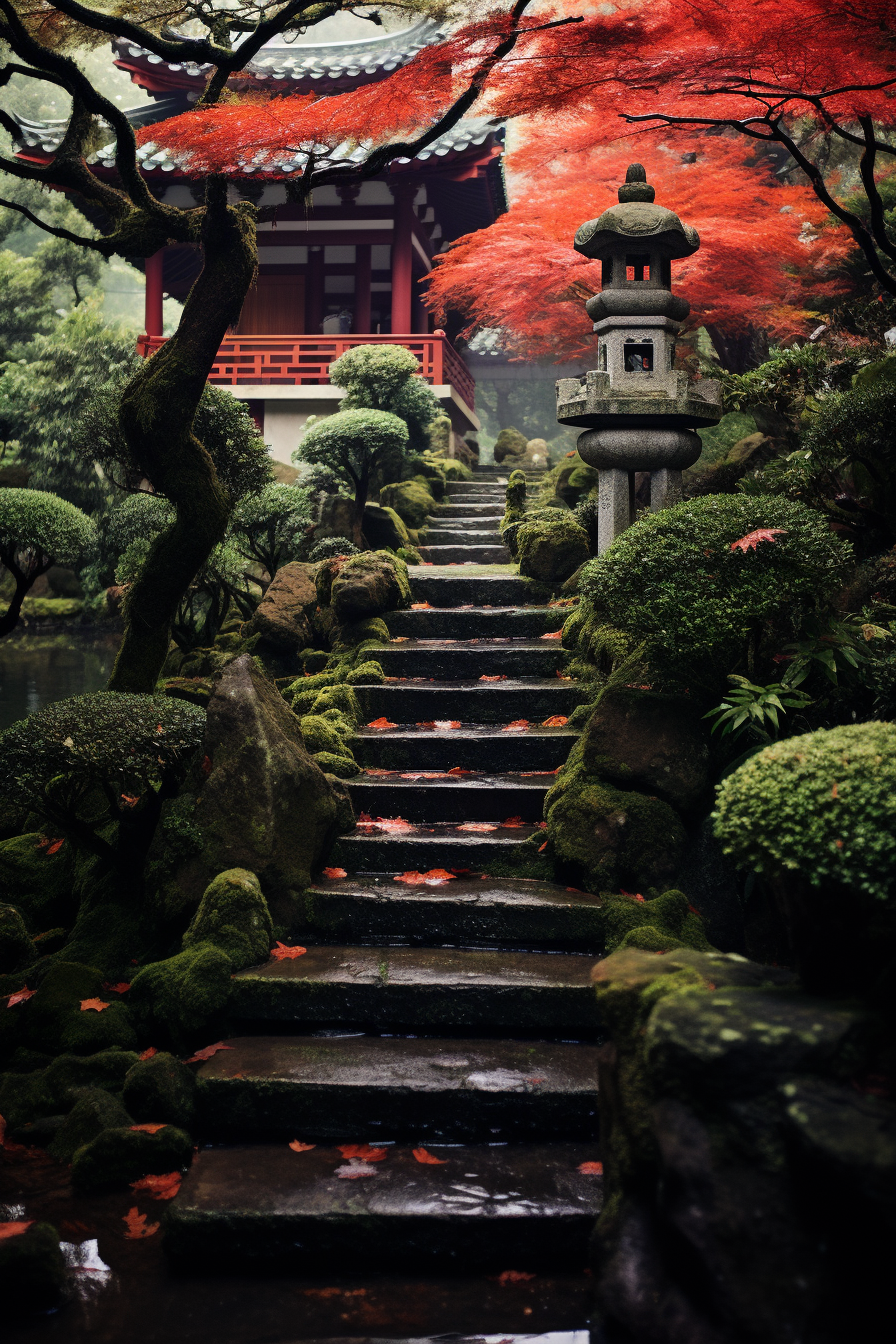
pixel 637 412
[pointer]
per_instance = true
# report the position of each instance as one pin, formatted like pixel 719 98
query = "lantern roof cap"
pixel 637 219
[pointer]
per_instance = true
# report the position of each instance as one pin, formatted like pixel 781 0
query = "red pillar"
pixel 402 259
pixel 154 290
pixel 362 289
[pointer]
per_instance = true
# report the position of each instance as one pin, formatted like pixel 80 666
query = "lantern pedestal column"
pixel 615 505
pixel 665 489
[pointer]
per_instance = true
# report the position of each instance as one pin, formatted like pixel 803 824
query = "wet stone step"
pixel 441 988
pixel 467 911
pixel 458 659
pixel 469 622
pixel 466 554
pixel 483 1208
pixel 469 701
pixel 375 849
pixel 471 509
pixel 473 747
pixel 447 797
pixel 360 1087
pixel 443 586
pixel 476 535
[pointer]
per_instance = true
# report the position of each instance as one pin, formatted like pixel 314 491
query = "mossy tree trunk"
pixel 156 418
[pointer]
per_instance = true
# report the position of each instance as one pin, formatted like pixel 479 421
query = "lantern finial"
pixel 636 186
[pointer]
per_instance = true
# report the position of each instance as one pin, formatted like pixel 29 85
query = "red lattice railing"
pixel 307 359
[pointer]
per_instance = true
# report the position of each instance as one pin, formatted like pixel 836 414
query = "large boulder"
pixel 412 500
pixel 337 516
pixel 56 1021
pixel 234 916
pixel 368 585
pixel 117 1157
pixel 384 528
pixel 282 615
pixel 264 806
pixel 181 997
pixel 651 742
pixel 162 1090
pixel 510 443
pixel 550 549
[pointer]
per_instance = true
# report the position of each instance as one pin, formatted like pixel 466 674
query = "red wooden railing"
pixel 307 359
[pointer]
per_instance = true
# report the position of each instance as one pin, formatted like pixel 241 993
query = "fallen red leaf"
pixel 334 872
pixel 363 1152
pixel 283 953
pixel 427 1158
pixel 381 724
pixel 420 606
pixel 158 1187
pixel 433 878
pixel 207 1052
pixel 137 1226
pixel 459 770
pixel 298 1147
pixel 392 825
pixel 20 996
pixel 752 539
pixel 376 770
pixel 513 821
pixel 543 847
pixel 423 774
pixel 93 1006
pixel 55 846
pixel 694 911
pixel 562 675
pixel 148 1128
pixel 121 988
pixel 148 1054
pixel 556 721
pixel 130 799
pixel 14 1229
pixel 514 1276
pixel 555 634
pixel 502 677
pixel 477 826
pixel 591 1168
pixel 516 726
pixel 206 766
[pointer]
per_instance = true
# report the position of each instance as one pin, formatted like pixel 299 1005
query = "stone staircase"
pixel 436 1042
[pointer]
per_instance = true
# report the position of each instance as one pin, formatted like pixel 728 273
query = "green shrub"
pixel 388 378
pixel 552 548
pixel 355 445
pixel 331 547
pixel 702 609
pixel 822 806
pixel 38 530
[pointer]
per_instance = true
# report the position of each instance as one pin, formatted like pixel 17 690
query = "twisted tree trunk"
pixel 156 418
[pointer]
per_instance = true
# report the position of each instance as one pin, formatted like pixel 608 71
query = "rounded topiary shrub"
pixel 330 547
pixel 704 606
pixel 822 805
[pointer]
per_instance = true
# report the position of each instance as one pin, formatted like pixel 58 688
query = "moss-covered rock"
pixel 339 698
pixel 320 734
pixel 656 923
pixel 54 1089
pixel 33 1274
pixel 412 500
pixel 117 1157
pixel 612 837
pixel 94 1111
pixel 313 660
pixel 233 915
pixel 17 948
pixel 56 1022
pixel 353 633
pixel 366 674
pixel 340 764
pixel 179 997
pixel 369 585
pixel 162 1089
pixel 383 528
pixel 510 443
pixel 38 883
pixel 282 617
pixel 550 549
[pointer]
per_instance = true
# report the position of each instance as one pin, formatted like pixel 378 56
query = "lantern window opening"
pixel 637 267
pixel 666 272
pixel 602 356
pixel 606 272
pixel 637 356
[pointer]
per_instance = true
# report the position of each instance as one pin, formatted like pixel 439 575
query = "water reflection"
pixel 38 669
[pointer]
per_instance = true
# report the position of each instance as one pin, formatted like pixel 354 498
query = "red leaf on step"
pixel 375 770
pixel 434 878
pixel 555 634
pixel 283 953
pixel 514 1276
pixel 420 606
pixel 137 1226
pixel 20 996
pixel 562 675
pixel 513 821
pixel 148 1054
pixel 381 724
pixel 148 1128
pixel 334 872
pixel 502 677
pixel 424 774
pixel 298 1147
pixel 393 825
pixel 364 1152
pixel 207 1052
pixel 93 1006
pixel 555 721
pixel 517 726
pixel 477 826
pixel 428 1160
pixel 752 539
pixel 400 639
pixel 363 818
pixel 158 1187
pixel 543 847
pixel 14 1229
pixel 591 1168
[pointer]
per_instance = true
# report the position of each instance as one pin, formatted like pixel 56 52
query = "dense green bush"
pixel 355 445
pixel 38 530
pixel 332 546
pixel 387 378
pixel 702 608
pixel 268 526
pixel 821 806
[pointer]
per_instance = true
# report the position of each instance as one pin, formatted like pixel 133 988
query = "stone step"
pixel 472 797
pixel 466 554
pixel 355 1088
pixel 477 487
pixel 486 1209
pixel 442 586
pixel 463 509
pixel 417 987
pixel 472 746
pixel 424 701
pixel 375 849
pixel 449 659
pixel 468 911
pixel 456 536
pixel 469 622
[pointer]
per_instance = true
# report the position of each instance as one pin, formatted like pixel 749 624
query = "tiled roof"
pixel 47 135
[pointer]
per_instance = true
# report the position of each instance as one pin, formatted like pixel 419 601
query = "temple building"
pixel 344 273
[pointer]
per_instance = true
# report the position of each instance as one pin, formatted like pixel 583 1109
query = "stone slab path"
pixel 432 1054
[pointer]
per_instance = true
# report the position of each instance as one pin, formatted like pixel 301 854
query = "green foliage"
pixel 106 748
pixel 387 378
pixel 37 528
pixel 702 609
pixel 268 526
pixel 786 388
pixel 354 444
pixel 222 424
pixel 820 805
pixel 331 547
pixel 749 708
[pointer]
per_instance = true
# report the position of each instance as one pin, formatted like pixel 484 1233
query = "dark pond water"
pixel 36 669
